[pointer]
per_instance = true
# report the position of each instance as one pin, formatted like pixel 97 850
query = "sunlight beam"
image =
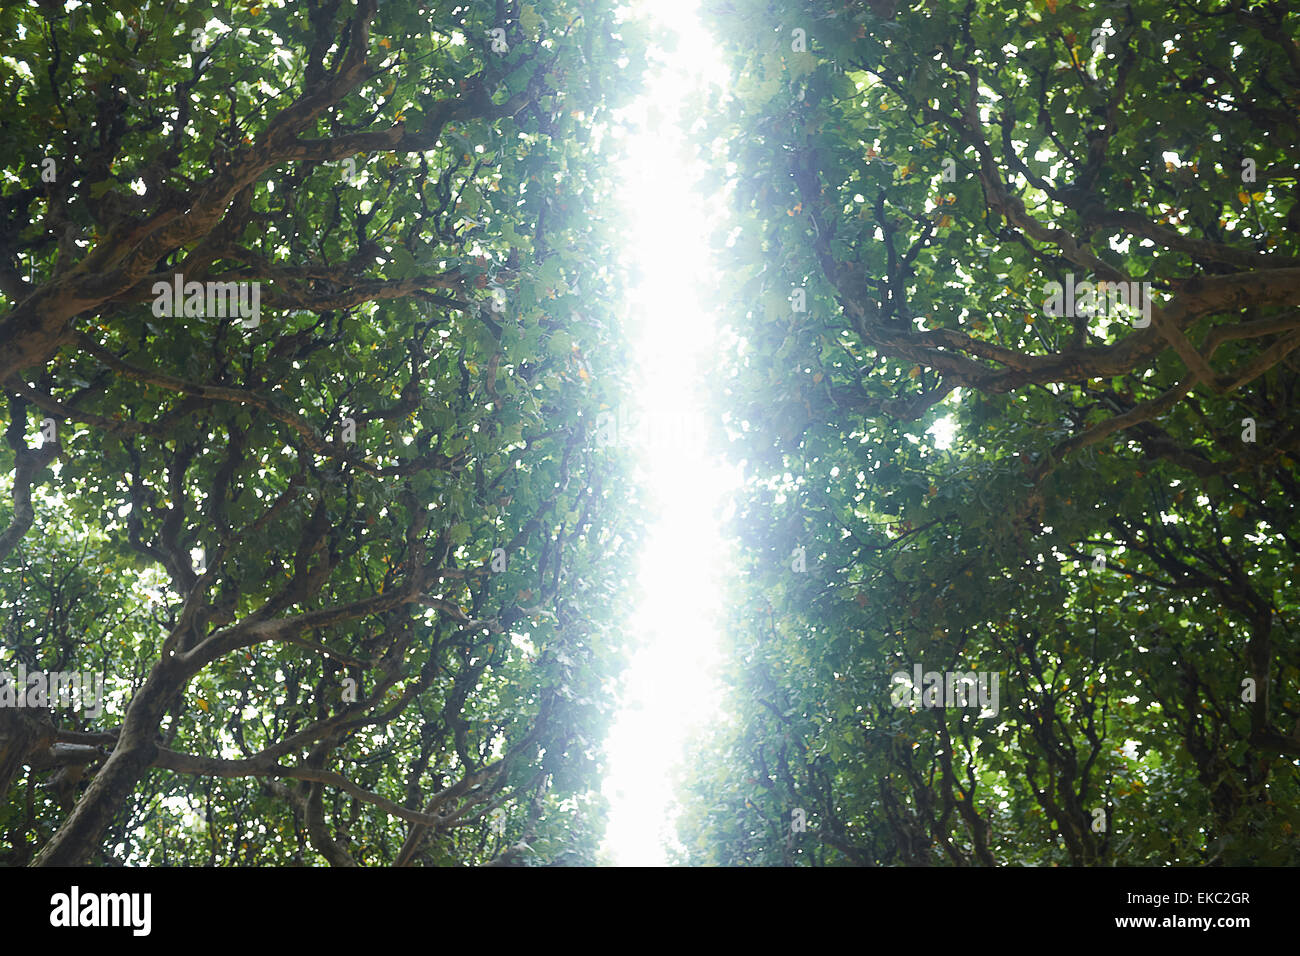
pixel 669 685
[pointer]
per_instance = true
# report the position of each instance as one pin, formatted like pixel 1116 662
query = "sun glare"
pixel 669 686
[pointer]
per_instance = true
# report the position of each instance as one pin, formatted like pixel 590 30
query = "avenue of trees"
pixel 309 316
pixel 1113 529
pixel 350 564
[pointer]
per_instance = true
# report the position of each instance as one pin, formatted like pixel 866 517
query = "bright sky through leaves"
pixel 669 685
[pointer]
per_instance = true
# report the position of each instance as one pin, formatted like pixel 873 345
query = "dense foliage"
pixel 350 567
pixel 1107 532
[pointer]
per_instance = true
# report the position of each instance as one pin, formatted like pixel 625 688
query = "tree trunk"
pixel 79 836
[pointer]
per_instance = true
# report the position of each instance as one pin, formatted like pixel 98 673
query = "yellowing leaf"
pixel 916 370
pixel 203 704
pixel 1244 196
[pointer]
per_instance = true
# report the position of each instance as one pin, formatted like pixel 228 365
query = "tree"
pixel 1113 529
pixel 319 303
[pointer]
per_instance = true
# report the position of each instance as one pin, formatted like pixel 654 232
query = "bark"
pixel 78 838
pixel 23 733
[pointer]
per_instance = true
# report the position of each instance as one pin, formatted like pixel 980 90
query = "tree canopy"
pixel 348 560
pixel 309 315
pixel 1112 528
